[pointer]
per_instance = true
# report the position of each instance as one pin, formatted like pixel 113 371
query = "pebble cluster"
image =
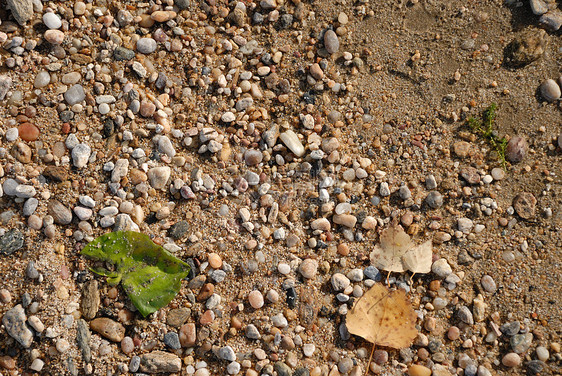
pixel 256 161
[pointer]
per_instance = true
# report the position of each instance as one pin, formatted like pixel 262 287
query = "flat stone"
pixel 527 47
pixel 83 339
pixel 524 205
pixel 22 10
pixel 122 54
pixel 15 325
pixel 60 213
pixel 178 316
pixel 56 173
pixel 160 362
pixel 470 175
pixel 11 241
pixel 90 299
pixel 108 328
pixel 178 230
pixel 172 340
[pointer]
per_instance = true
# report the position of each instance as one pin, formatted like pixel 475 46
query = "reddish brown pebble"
pixel 188 335
pixel 5 296
pixel 28 132
pixel 516 149
pixel 7 362
pixel 423 354
pixel 207 290
pixel 453 333
pixel 380 357
pixel 429 324
pixel 207 318
pixel 434 285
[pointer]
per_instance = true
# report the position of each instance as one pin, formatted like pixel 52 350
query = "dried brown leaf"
pixel 383 317
pixel 397 253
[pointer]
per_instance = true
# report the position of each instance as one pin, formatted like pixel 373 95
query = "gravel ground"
pixel 268 144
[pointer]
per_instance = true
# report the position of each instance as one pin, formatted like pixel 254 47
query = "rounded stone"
pixel 127 345
pixel 418 370
pixel 253 157
pixel 52 21
pixel 54 36
pixel 488 283
pixel 441 268
pixel 331 42
pixel 28 132
pixel 146 45
pixel 255 298
pixel 340 282
pixel 308 268
pixel 42 79
pixel 434 199
pixel 511 360
pixel 516 149
pixel 542 353
pixel 550 90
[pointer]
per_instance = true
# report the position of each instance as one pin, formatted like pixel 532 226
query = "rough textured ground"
pixel 377 117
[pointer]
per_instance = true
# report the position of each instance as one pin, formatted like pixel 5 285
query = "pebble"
pixel 538 7
pixel 158 177
pixel 550 90
pixel 75 94
pixel 80 155
pixel 291 141
pixel 464 314
pixel 524 205
pixel 146 45
pixel 488 284
pixel 465 225
pixel 322 224
pixel 255 298
pixel 253 157
pixel 37 365
pixel 434 199
pixel 308 268
pixel 498 173
pixel 516 149
pixel 172 340
pixel 511 360
pixel 52 21
pixel 552 20
pixel 340 282
pixel 127 345
pixel 252 332
pixel 83 339
pixel 108 328
pixel 418 370
pixel 55 37
pixel 227 353
pixel 441 268
pixel 22 10
pixel 60 213
pixel 28 132
pixel 14 322
pixel 331 42
pixel 11 241
pixel 159 362
pixel 520 343
pixel 542 353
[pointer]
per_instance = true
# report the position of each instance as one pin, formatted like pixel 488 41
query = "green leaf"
pixel 150 275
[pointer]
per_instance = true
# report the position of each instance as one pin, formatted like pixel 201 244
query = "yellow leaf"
pixel 383 317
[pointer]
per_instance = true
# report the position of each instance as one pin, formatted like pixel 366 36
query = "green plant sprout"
pixel 150 275
pixel 485 128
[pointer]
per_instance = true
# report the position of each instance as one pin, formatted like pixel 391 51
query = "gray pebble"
pixel 15 325
pixel 520 343
pixel 227 353
pixel 331 42
pixel 434 199
pixel 80 155
pixel 252 332
pixel 10 242
pixel 465 315
pixel 146 45
pixel 488 284
pixel 75 94
pixel 510 328
pixel 172 340
pixel 30 206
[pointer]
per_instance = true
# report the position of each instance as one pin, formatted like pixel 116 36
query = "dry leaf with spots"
pixel 397 253
pixel 384 318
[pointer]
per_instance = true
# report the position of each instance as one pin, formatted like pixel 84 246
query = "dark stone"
pixel 108 127
pixel 83 340
pixel 301 372
pixel 161 81
pixel 182 4
pixel 464 258
pixel 172 340
pixel 122 53
pixel 66 116
pixel 11 241
pixel 510 328
pixel 282 369
pixel 178 230
pixel 535 367
pixel 470 175
pixel 291 297
pixel 286 21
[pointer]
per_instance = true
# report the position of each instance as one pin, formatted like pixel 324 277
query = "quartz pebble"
pixel 331 42
pixel 511 360
pixel 52 21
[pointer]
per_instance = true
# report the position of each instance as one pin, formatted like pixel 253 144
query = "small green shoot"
pixel 485 128
pixel 150 275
